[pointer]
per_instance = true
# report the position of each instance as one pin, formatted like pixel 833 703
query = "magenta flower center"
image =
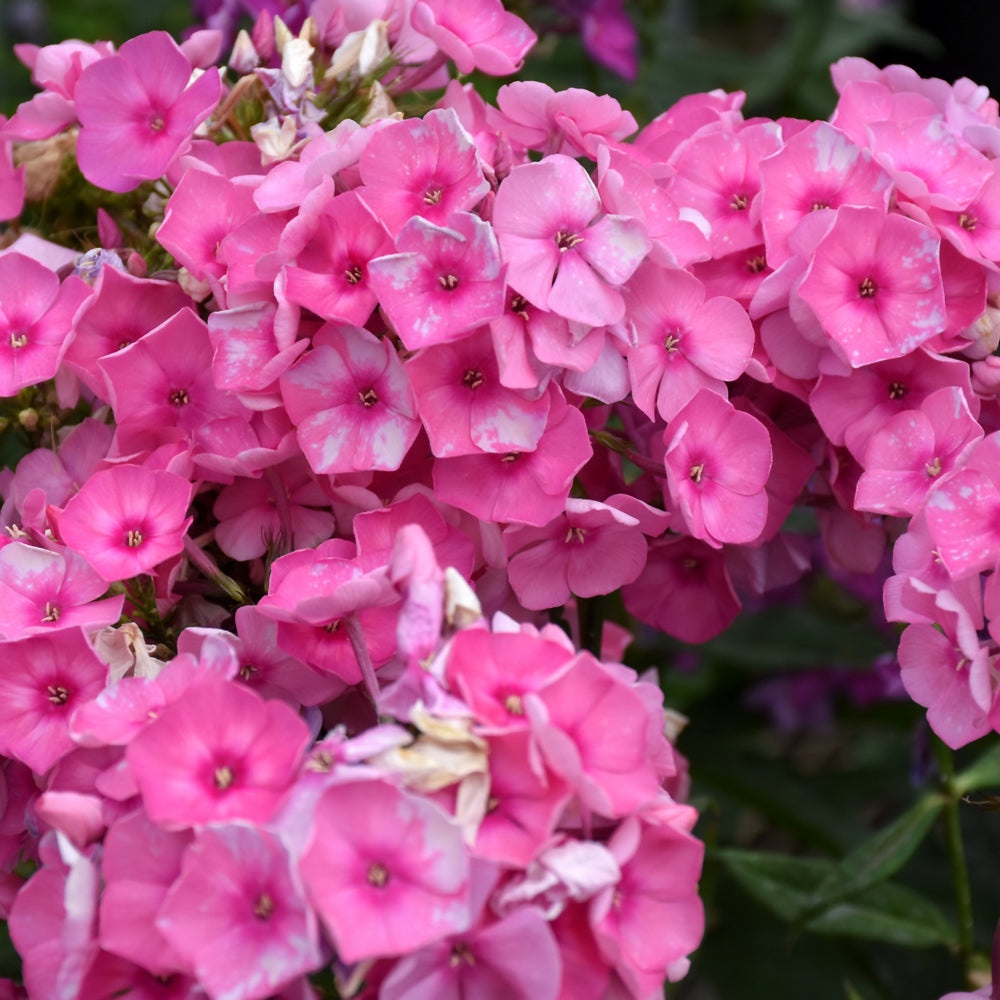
pixel 353 275
pixel 223 777
pixel 473 378
pixel 432 196
pixel 368 398
pixel 448 282
pixel 575 534
pixel 756 264
pixel 697 471
pixel 18 339
pixel 264 906
pixel 133 539
pixel 459 954
pixel 739 203
pixel 967 222
pixel 52 613
pixel 58 695
pixel 897 390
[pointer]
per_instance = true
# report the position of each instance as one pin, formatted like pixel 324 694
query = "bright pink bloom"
pixel 442 282
pixel 652 919
pixel 351 403
pixel 36 320
pixel 875 285
pixel 593 548
pixel 463 405
pixel 384 889
pixel 219 753
pixel 238 916
pixel 479 35
pixel 139 104
pixel 127 519
pixel 43 591
pixel 907 455
pixel 718 460
pixel 683 343
pixel 564 253
pixel 42 681
pixel 526 487
pixel 421 166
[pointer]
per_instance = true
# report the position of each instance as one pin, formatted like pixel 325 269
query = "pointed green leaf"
pixel 879 857
pixel 889 913
pixel 781 883
pixel 984 773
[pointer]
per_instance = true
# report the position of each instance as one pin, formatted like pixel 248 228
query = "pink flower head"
pixel 421 166
pixel 718 461
pixel 42 681
pixel 875 285
pixel 443 282
pixel 565 254
pixel 238 916
pixel 385 888
pixel 36 320
pixel 127 519
pixel 476 35
pixel 139 103
pixel 350 402
pixel 218 753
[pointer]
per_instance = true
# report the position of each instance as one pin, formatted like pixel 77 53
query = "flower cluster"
pixel 343 401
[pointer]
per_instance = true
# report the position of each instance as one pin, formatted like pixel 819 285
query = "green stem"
pixel 956 855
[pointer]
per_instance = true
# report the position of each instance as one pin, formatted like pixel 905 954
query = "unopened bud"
pixel 28 418
pixel 244 57
pixel 282 34
pixel 296 62
pixel 42 161
pixel 380 106
pixel 461 606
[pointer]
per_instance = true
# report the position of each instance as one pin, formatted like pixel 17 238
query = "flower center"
pixel 473 378
pixel 739 203
pixel 897 390
pixel 933 467
pixel 432 196
pixel 696 472
pixel 179 397
pixel 519 306
pixel 448 282
pixel 223 777
pixel 513 704
pixel 58 695
pixel 818 206
pixel 368 398
pixel 52 613
pixel 264 906
pixel 378 875
pixel 134 538
pixel 459 954
pixel 511 456
pixel 18 339
pixel 575 534
pixel 353 275
pixel 566 241
pixel 671 341
pixel 756 264
pixel 867 288
pixel 967 222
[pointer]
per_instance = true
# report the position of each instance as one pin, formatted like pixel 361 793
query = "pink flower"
pixel 718 460
pixel 139 103
pixel 384 889
pixel 238 916
pixel 875 285
pixel 564 253
pixel 219 753
pixel 127 519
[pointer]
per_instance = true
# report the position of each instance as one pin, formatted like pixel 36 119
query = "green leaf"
pixel 890 913
pixel 984 773
pixel 879 857
pixel 781 883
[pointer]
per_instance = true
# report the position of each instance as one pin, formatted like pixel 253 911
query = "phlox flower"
pixel 593 548
pixel 139 104
pixel 36 320
pixel 463 405
pixel 127 519
pixel 479 35
pixel 43 679
pixel 218 753
pixel 237 914
pixel 442 282
pixel 564 253
pixel 385 889
pixel 421 166
pixel 718 460
pixel 351 403
pixel 875 285
pixel 11 180
pixel 43 590
pixel 652 919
